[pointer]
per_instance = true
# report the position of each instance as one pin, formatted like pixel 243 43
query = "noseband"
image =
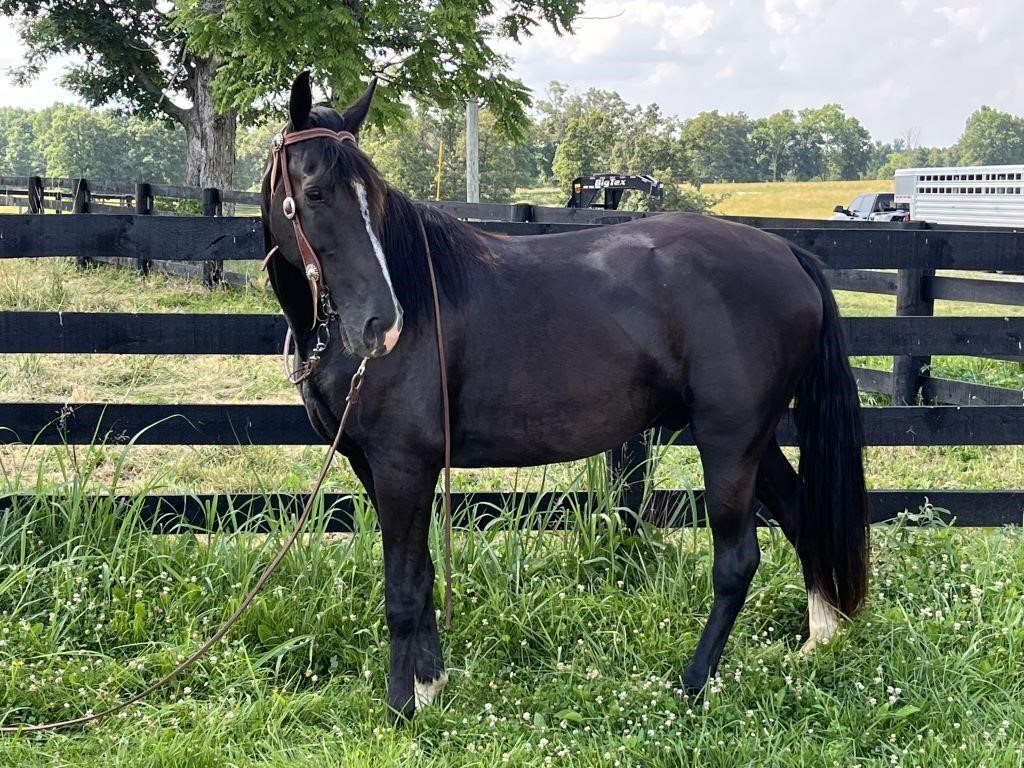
pixel 323 309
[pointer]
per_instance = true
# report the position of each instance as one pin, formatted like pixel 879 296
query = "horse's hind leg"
pixel 730 464
pixel 778 488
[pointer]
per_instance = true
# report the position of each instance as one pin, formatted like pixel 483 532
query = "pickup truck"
pixel 873 206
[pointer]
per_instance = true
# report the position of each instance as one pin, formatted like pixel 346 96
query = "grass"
pixel 566 651
pixel 795 199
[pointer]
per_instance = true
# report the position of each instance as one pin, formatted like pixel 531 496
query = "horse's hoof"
pixel 426 692
pixel 399 715
pixel 693 681
pixel 823 622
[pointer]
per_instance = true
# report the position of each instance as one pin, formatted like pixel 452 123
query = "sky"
pixel 896 65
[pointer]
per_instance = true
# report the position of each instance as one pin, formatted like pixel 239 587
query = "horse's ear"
pixel 356 114
pixel 301 101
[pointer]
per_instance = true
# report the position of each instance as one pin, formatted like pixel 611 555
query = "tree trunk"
pixel 210 135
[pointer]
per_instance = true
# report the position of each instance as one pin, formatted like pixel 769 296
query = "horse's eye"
pixel 314 195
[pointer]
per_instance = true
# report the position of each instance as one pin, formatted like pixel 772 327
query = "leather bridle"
pixel 324 312
pixel 279 164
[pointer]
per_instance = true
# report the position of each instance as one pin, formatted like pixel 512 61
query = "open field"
pixel 566 647
pixel 797 199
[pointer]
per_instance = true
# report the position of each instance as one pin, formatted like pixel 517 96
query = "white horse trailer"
pixel 979 195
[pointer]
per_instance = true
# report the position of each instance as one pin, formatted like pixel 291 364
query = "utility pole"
pixel 472 151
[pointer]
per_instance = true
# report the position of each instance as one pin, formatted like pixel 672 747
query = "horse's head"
pixel 336 196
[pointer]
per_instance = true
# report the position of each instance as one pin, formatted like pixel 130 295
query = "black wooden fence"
pixel 854 254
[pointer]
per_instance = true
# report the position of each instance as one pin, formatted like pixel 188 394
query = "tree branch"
pixel 163 101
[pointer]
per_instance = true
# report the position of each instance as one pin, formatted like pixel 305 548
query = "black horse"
pixel 560 347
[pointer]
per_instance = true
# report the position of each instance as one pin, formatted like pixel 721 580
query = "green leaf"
pixel 905 711
pixel 569 715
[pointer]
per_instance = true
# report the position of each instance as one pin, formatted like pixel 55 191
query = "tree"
pixel 19 152
pixel 436 53
pixel 251 154
pixel 879 155
pixel 205 63
pixel 843 142
pixel 586 143
pixel 773 138
pixel 406 154
pixel 720 147
pixel 992 137
pixel 599 117
pixel 134 55
pixel 808 159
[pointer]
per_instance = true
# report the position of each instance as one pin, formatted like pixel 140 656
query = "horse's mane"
pixel 455 246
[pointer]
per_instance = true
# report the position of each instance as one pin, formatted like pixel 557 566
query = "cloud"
pixel 893 65
pixel 644 26
pixel 907 63
pixel 637 35
pixel 788 17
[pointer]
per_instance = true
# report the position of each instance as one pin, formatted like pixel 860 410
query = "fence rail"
pixel 550 510
pixel 853 254
pixel 278 424
pixel 128 333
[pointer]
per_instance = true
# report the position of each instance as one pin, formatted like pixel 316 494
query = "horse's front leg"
pixel 404 497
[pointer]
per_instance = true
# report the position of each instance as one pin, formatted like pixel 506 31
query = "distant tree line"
pixel 72 141
pixel 569 134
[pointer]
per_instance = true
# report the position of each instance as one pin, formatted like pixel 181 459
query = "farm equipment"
pixel 978 195
pixel 585 190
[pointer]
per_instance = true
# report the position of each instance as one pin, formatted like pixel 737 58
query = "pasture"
pixel 566 647
pixel 565 651
pixel 795 199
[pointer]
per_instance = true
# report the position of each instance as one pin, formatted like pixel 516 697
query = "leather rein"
pixel 323 315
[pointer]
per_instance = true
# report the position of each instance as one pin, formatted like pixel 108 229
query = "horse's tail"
pixel 832 527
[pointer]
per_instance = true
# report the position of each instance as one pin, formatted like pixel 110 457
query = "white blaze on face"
pixel 425 692
pixel 391 337
pixel 824 621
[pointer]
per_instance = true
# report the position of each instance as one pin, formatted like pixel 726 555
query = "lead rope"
pixel 350 400
pixel 446 408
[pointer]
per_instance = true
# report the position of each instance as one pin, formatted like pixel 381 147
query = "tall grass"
pixel 566 648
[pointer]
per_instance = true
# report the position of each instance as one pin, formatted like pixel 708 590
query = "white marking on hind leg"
pixel 824 621
pixel 425 692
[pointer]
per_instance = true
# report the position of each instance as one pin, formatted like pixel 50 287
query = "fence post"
pixel 80 204
pixel 213 271
pixel 143 207
pixel 912 299
pixel 35 194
